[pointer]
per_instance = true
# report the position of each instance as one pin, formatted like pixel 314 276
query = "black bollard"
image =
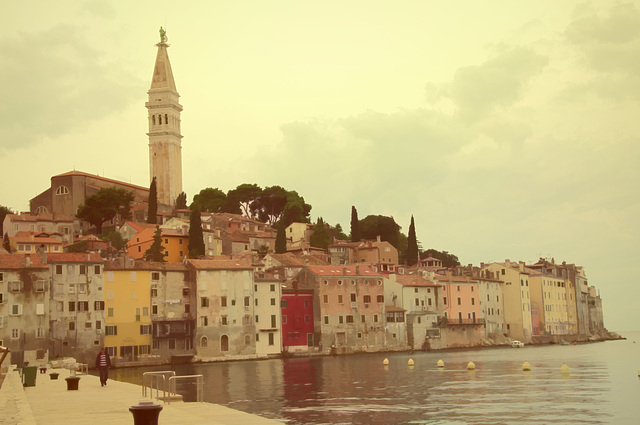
pixel 72 382
pixel 145 413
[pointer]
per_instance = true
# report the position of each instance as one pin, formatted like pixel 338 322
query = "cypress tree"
pixel 5 243
pixel 156 250
pixel 153 203
pixel 412 245
pixel 281 239
pixel 196 239
pixel 181 201
pixel 355 225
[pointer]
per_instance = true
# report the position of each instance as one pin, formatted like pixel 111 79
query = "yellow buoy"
pixel 564 369
pixel 385 362
pixel 639 372
pixel 471 366
pixel 410 362
pixel 440 363
pixel 526 366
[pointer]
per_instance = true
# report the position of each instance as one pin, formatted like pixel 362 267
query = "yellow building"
pixel 174 242
pixel 549 291
pixel 127 311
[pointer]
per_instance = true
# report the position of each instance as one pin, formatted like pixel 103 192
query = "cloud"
pixel 56 82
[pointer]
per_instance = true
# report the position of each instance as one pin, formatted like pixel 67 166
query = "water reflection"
pixel 358 389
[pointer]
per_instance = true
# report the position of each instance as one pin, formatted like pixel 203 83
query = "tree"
pixel 281 239
pixel 355 225
pixel 271 203
pixel 196 239
pixel 3 213
pixel 152 216
pixel 373 226
pixel 338 233
pixel 156 250
pixel 244 197
pixel 181 201
pixel 211 200
pixel 104 205
pixel 6 244
pixel 448 260
pixel 321 237
pixel 412 245
pixel 116 240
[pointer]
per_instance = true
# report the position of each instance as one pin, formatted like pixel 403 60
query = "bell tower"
pixel 165 139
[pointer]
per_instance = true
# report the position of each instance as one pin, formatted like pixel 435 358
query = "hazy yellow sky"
pixel 508 128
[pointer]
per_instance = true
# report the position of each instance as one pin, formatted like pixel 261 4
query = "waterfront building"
pixel 596 319
pixel 225 314
pixel 491 304
pixel 517 300
pixel 24 307
pixel 548 293
pixel 269 320
pixel 77 305
pixel 368 252
pixel 174 242
pixel 127 331
pixel 418 298
pixel 172 317
pixel 461 324
pixel 64 226
pixel 298 332
pixel 582 303
pixel 349 309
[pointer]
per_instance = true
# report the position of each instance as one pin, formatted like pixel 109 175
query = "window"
pixel 88 325
pixel 16 309
pixel 473 301
pixel 223 320
pixel 72 326
pixel 145 329
pixel 271 339
pixel 203 342
pixel 154 309
pixel 62 190
pixel 459 301
pixel 349 318
pixel 325 299
pixel 72 306
pixel 98 324
pixel 154 292
pixel 272 287
pixel 83 269
pixel 306 303
pixel 83 305
pixel 137 314
pixel 339 299
pixel 96 269
pixel 39 285
pixel 367 299
pixel 326 320
pixel 40 332
pixel 145 311
pixel 325 282
pixel 273 320
pixel 380 298
pixel 111 330
pixel 444 300
pixel 15 333
pixel 1 277
pixel 339 283
pixel 204 321
pixel 1 298
pixel 223 301
pixel 72 288
pixel 155 276
pixel 273 301
pixel 15 286
pixel 110 312
pixel 375 318
pixel 247 301
pixel 340 319
pixel 363 318
pixel 204 302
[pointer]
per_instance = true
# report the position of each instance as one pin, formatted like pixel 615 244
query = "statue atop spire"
pixel 163 35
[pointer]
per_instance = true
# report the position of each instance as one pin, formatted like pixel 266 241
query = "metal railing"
pixel 199 386
pixel 155 380
pixel 451 321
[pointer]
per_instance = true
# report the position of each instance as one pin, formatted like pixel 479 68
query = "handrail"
pixel 153 379
pixel 199 386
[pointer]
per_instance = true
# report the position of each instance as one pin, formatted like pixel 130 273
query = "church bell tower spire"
pixel 165 138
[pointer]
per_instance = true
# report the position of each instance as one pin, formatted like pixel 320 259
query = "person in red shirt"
pixel 103 363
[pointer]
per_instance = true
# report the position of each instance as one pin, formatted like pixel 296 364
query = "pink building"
pixel 461 323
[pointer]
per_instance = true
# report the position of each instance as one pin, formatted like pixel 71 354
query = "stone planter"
pixel 72 382
pixel 54 376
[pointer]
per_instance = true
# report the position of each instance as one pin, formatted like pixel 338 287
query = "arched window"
pixel 62 190
pixel 224 343
pixel 247 340
pixel 160 119
pixel 153 119
pixel 203 342
pixel 166 119
pixel 41 210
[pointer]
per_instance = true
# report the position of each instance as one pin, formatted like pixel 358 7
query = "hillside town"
pixel 67 291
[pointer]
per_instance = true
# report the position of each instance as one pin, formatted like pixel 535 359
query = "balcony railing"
pixel 444 321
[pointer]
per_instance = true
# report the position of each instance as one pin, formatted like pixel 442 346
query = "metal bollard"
pixel 72 382
pixel 145 413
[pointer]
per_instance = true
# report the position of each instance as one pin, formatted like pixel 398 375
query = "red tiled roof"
pixel 457 279
pixel 29 239
pixel 74 257
pixel 139 226
pixel 330 270
pixel 146 265
pixel 289 260
pixel 393 308
pixel 219 264
pixel 18 261
pixel 413 280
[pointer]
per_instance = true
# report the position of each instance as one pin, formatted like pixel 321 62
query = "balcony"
pixel 444 321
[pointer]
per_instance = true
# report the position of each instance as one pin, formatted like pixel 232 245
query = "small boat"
pixel 517 344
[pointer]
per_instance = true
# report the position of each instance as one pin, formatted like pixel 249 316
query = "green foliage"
pixel 82 246
pixel 338 233
pixel 448 260
pixel 6 243
pixel 281 239
pixel 156 250
pixel 3 213
pixel 116 240
pixel 196 238
pixel 373 226
pixel 181 201
pixel 412 245
pixel 211 200
pixel 245 197
pixel 271 203
pixel 152 216
pixel 104 205
pixel 355 226
pixel 321 237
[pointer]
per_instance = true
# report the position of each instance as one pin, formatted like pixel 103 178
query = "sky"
pixel 508 129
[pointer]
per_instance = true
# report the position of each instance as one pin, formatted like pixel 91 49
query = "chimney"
pixel 521 265
pixel 507 263
pixel 27 260
pixel 378 238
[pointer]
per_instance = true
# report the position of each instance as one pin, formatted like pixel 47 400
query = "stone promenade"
pixel 50 403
